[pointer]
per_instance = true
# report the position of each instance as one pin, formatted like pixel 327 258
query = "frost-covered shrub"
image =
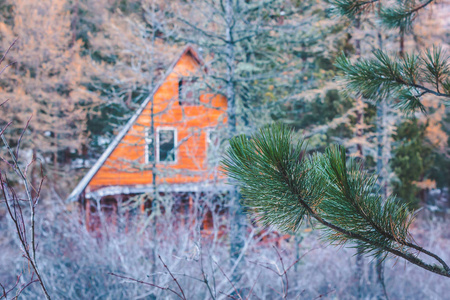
pixel 77 264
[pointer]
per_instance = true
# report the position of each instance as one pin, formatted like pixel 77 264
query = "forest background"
pixel 82 68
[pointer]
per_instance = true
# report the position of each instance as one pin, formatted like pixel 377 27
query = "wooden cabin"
pixel 170 145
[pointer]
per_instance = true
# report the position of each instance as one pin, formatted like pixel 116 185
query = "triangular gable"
pixel 189 50
pixel 103 158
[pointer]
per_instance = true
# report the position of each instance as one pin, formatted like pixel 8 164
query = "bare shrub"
pixel 78 263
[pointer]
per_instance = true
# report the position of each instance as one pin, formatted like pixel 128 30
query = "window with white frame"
pixel 149 146
pixel 167 138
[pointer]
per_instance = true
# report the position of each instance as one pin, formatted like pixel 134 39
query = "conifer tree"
pixel 413 156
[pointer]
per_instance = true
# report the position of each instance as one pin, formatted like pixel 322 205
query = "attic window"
pixel 186 91
pixel 167 145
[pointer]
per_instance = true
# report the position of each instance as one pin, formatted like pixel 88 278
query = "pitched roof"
pixel 98 164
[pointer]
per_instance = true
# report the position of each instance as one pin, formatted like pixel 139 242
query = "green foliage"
pixel 281 185
pixel 440 171
pixel 402 14
pixel 397 16
pixel 407 78
pixel 273 177
pixel 319 111
pixel 351 8
pixel 412 158
pixel 352 202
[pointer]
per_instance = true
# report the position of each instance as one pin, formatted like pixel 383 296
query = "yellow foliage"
pixel 425 184
pixel 434 131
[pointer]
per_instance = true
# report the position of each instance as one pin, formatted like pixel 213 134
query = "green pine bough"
pixel 398 15
pixel 282 185
pixel 405 78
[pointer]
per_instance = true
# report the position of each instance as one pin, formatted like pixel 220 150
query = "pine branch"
pixel 398 16
pixel 351 8
pixel 402 15
pixel 282 186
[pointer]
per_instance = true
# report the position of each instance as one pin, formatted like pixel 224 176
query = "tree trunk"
pixel 237 220
pixel 230 60
pixel 359 272
pixel 381 172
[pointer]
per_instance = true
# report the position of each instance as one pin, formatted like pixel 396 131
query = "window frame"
pixel 175 144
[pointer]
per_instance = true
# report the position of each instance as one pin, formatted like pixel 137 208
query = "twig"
pixel 173 277
pixel 147 283
pixel 253 286
pixel 21 136
pixel 322 295
pixel 7 66
pixel 285 292
pixel 5 293
pixel 16 213
pixel 229 296
pixel 4 102
pixel 236 291
pixel 205 278
pixel 7 51
pixel 3 58
pixel 38 192
pixel 6 126
pixel 17 216
pixel 25 286
pixel 285 270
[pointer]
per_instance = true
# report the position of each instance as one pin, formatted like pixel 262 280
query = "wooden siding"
pixel 126 166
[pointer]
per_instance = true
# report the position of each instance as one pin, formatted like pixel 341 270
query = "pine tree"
pixel 412 157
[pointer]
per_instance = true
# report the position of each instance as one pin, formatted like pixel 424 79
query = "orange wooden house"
pixel 169 144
